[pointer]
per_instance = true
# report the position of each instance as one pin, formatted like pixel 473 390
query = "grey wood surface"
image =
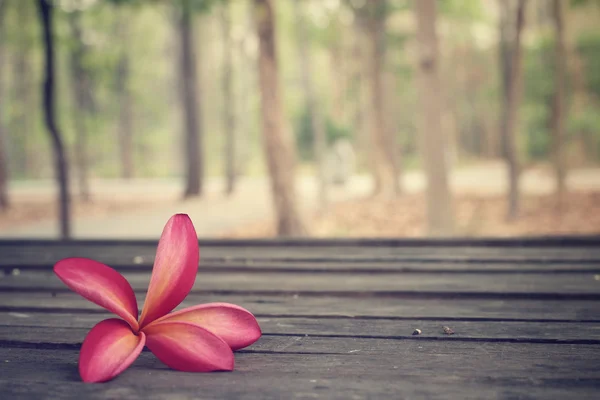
pixel 337 320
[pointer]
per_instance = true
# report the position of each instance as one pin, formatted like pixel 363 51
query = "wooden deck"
pixel 337 320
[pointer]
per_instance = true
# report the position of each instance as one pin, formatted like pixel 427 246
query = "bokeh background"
pixel 326 118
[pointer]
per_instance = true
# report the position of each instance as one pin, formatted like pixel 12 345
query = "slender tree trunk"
pixel 60 159
pixel 558 115
pixel 4 202
pixel 385 166
pixel 229 109
pixel 278 141
pixel 440 215
pixel 358 79
pixel 192 111
pixel 246 88
pixel 123 78
pixel 338 79
pixel 21 81
pixel 491 133
pixel 312 106
pixel 392 111
pixel 505 56
pixel 125 130
pixel 511 116
pixel 80 100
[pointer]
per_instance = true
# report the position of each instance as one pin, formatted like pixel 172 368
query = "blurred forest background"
pixel 300 117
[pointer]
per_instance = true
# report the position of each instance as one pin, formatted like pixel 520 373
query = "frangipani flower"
pixel 196 339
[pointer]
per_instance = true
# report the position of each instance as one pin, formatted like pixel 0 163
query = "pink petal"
pixel 234 324
pixel 175 269
pixel 188 347
pixel 100 284
pixel 108 349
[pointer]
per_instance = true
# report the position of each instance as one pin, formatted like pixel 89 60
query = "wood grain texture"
pixel 328 306
pixel 68 328
pixel 235 386
pixel 40 252
pixel 433 370
pixel 586 285
pixel 337 319
pixel 144 265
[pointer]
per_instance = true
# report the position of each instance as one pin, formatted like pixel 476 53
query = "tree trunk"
pixel 504 55
pixel 81 95
pixel 229 108
pixel 392 111
pixel 558 115
pixel 23 121
pixel 60 159
pixel 192 111
pixel 123 77
pixel 383 153
pixel 4 202
pixel 312 106
pixel 358 80
pixel 440 217
pixel 511 115
pixel 277 139
pixel 125 129
pixel 247 87
pixel 338 73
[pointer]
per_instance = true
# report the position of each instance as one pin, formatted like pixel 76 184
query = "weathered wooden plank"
pixel 537 361
pixel 127 264
pixel 504 372
pixel 342 332
pixel 553 241
pixel 332 307
pixel 25 253
pixel 39 327
pixel 491 359
pixel 455 284
pixel 243 386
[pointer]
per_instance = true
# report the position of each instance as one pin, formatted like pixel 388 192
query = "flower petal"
pixel 100 284
pixel 234 324
pixel 188 347
pixel 108 349
pixel 175 269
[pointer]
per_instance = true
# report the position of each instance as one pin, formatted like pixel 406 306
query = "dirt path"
pixel 145 205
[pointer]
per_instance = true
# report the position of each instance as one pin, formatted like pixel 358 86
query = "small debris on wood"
pixel 448 330
pixel 416 332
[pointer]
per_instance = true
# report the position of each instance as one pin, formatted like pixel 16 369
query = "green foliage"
pixel 466 10
pixel 586 124
pixel 194 5
pixel 539 89
pixel 305 134
pixel 537 132
pixel 588 47
pixel 468 71
pixel 538 82
pixel 579 3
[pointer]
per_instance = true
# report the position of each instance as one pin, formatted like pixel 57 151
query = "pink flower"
pixel 196 339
